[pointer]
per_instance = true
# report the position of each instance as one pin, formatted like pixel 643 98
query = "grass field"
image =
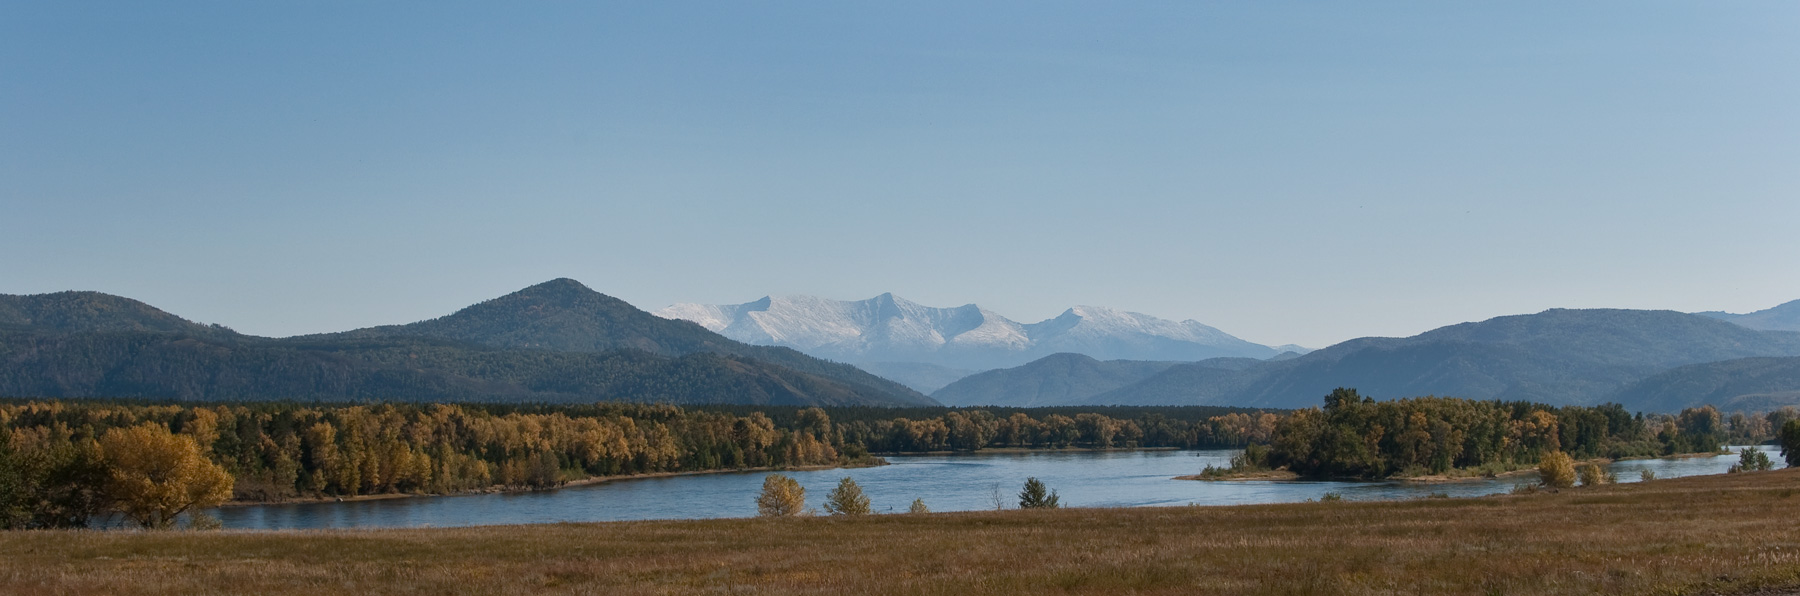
pixel 1727 534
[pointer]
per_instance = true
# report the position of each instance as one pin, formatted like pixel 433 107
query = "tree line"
pixel 63 464
pixel 1354 436
pixel 55 456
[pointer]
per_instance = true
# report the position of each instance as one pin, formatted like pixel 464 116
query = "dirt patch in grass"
pixel 1725 534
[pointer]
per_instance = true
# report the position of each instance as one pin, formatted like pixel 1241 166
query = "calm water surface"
pixel 946 483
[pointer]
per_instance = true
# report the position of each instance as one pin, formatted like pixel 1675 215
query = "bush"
pixel 1646 475
pixel 1592 474
pixel 1034 497
pixel 1331 497
pixel 1254 457
pixel 781 497
pixel 1751 459
pixel 918 506
pixel 1557 470
pixel 847 499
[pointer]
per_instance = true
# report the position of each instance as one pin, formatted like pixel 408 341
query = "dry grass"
pixel 1725 534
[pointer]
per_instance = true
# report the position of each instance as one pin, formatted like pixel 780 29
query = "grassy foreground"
pixel 1714 534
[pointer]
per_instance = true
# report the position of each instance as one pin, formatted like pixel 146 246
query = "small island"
pixel 1442 439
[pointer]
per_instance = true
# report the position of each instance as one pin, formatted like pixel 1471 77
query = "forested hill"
pixel 1743 384
pixel 81 312
pixel 565 316
pixel 1557 356
pixel 84 344
pixel 1054 380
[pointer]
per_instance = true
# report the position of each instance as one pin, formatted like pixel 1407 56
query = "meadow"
pixel 1723 534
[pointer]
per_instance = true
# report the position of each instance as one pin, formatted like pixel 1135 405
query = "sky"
pixel 1287 172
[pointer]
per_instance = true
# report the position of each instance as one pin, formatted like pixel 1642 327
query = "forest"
pixel 1354 436
pixel 56 469
pixel 68 463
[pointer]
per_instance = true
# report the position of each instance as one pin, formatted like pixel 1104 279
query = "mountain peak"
pixel 561 286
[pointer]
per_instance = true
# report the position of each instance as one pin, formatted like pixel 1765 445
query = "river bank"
pixel 1719 534
pixel 1457 475
pixel 1017 450
pixel 588 481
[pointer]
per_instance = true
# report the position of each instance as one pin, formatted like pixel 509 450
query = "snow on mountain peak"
pixel 888 328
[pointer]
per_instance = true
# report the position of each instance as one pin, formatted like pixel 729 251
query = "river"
pixel 944 482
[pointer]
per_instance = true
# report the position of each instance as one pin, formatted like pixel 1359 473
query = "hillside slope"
pixel 1744 384
pixel 1785 317
pixel 1557 356
pixel 1058 379
pixel 82 312
pixel 565 316
pixel 557 341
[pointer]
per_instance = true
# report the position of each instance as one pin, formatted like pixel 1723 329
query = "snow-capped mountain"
pixel 887 329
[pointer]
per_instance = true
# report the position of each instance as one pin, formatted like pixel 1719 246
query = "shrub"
pixel 781 497
pixel 1525 489
pixel 1646 475
pixel 847 499
pixel 1254 457
pixel 1592 474
pixel 918 506
pixel 1751 459
pixel 1331 497
pixel 1557 470
pixel 1034 496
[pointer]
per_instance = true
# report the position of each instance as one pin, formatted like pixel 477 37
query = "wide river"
pixel 945 482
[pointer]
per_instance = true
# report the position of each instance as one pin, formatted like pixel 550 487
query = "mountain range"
pixel 555 341
pixel 926 346
pixel 560 341
pixel 1645 359
pixel 1785 317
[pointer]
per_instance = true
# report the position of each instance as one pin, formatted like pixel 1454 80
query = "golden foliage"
pixel 154 476
pixel 781 497
pixel 847 499
pixel 1592 474
pixel 1557 470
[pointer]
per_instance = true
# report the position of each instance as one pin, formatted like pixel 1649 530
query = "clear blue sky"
pixel 1288 172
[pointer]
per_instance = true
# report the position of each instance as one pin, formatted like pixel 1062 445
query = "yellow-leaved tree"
pixel 847 499
pixel 153 476
pixel 781 497
pixel 1557 470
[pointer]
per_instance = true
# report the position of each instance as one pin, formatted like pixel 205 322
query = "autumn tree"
pixel 781 497
pixel 1036 496
pixel 1557 470
pixel 154 476
pixel 847 499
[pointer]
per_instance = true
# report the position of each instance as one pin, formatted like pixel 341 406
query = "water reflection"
pixel 946 483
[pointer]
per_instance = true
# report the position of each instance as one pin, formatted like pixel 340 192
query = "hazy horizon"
pixel 1286 174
